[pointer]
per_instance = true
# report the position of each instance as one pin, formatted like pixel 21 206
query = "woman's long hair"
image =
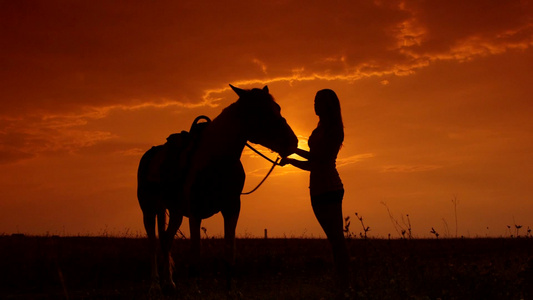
pixel 329 112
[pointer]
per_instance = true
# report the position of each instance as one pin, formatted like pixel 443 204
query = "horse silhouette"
pixel 199 174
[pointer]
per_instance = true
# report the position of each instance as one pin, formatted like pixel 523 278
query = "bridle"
pixel 274 164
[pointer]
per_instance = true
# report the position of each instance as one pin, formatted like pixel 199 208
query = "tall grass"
pixel 118 268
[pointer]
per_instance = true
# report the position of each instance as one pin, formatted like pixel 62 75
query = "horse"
pixel 208 176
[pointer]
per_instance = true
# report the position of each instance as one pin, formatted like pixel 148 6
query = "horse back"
pixel 151 163
pixel 161 171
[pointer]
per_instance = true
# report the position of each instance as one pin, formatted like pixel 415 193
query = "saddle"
pixel 169 162
pixel 185 153
pixel 164 168
pixel 198 127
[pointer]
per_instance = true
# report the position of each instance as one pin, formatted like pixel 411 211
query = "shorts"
pixel 327 197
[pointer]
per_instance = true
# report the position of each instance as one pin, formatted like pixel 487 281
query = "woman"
pixel 325 185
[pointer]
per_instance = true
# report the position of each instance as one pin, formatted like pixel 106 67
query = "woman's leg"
pixel 329 215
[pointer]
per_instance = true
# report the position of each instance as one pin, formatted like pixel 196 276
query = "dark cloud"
pixel 59 55
pixel 14 146
pixel 448 22
pixel 12 155
pixel 65 63
pixel 32 137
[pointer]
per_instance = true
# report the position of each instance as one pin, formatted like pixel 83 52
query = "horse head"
pixel 264 124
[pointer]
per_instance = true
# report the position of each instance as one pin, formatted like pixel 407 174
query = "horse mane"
pixel 250 99
pixel 228 110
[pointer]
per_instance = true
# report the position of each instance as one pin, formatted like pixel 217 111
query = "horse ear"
pixel 238 91
pixel 265 88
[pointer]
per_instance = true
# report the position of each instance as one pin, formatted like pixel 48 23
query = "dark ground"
pixel 118 268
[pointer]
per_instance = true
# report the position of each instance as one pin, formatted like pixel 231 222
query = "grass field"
pixel 118 268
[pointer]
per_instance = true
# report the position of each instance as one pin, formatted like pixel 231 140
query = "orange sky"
pixel 436 98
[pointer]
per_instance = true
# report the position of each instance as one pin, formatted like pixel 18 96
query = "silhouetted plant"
pixel 434 232
pixel 347 233
pixel 408 226
pixel 365 228
pixel 510 232
pixel 517 229
pixel 181 235
pixel 205 232
pixel 446 228
pixel 455 202
pixel 400 229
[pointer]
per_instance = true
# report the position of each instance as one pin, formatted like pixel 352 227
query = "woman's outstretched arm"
pixel 300 164
pixel 302 153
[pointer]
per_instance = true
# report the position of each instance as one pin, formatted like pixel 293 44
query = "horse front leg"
pixel 230 225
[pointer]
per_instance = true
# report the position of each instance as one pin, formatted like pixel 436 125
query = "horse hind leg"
pixel 149 226
pixel 167 238
pixel 164 259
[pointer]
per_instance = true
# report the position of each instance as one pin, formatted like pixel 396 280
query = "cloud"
pixel 37 134
pixel 344 161
pixel 13 154
pixel 136 152
pixel 30 138
pixel 60 56
pixel 411 41
pixel 409 168
pixel 67 132
pixel 66 64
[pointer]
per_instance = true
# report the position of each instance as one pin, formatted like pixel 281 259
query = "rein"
pixel 274 164
pixel 196 126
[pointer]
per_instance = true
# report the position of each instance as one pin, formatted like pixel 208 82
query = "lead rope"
pixel 274 164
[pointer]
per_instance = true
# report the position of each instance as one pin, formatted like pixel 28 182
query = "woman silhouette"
pixel 325 184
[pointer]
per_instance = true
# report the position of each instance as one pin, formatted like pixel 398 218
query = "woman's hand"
pixel 300 164
pixel 290 151
pixel 285 161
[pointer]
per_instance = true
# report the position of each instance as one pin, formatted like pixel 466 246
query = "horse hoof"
pixel 155 290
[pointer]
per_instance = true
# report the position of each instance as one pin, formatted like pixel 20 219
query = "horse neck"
pixel 226 133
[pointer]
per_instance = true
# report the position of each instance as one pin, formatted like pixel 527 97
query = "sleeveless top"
pixel 323 150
